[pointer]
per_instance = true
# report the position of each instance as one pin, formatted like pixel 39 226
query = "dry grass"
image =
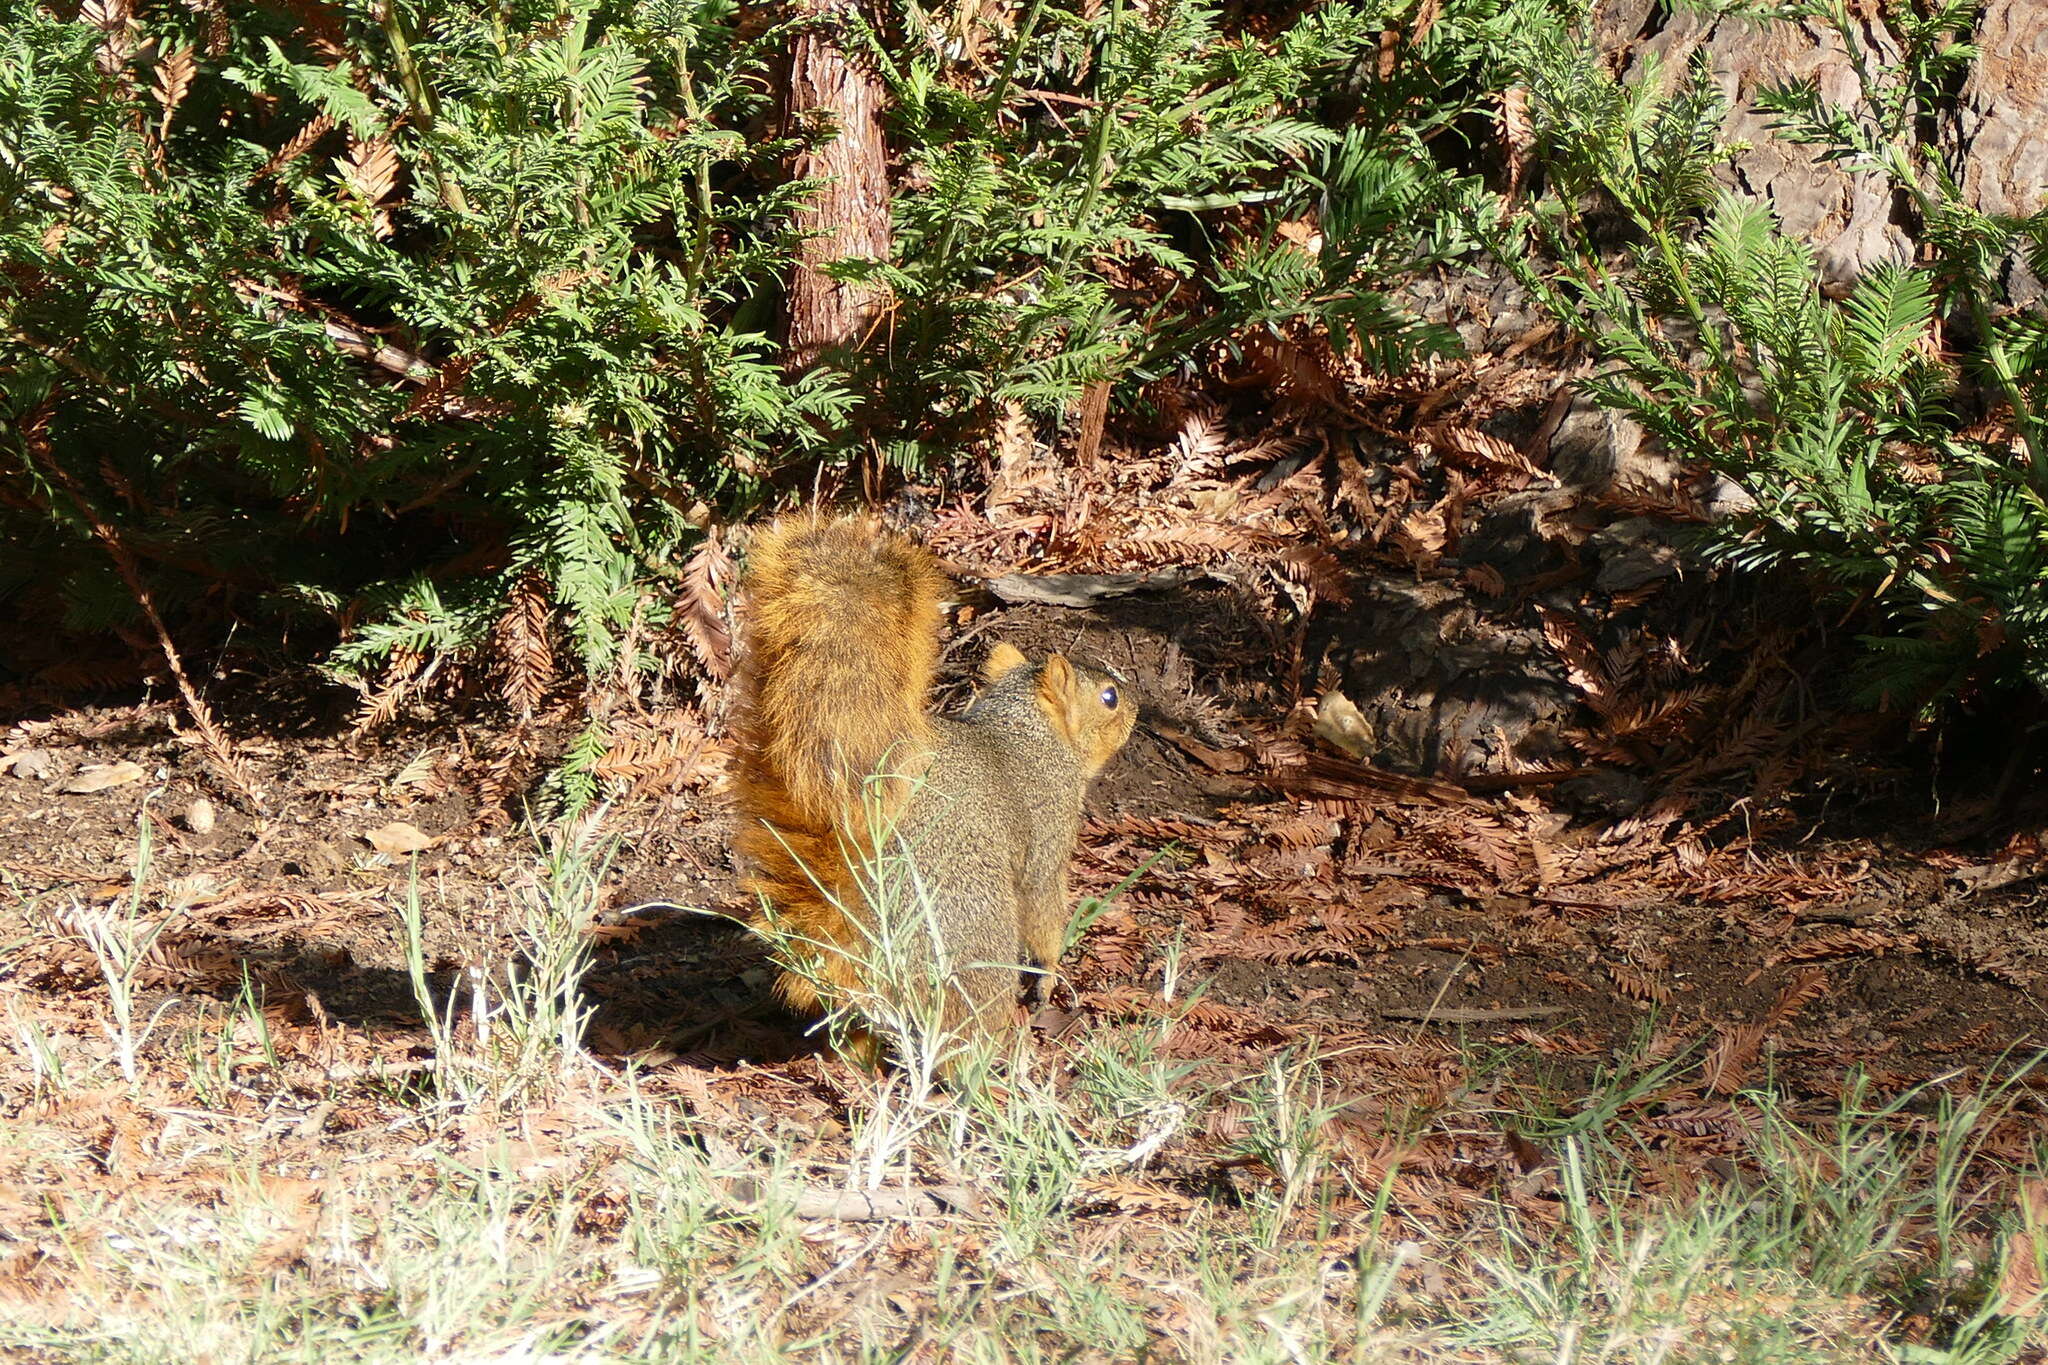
pixel 194 1178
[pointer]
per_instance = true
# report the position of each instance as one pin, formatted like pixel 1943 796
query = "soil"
pixel 1783 958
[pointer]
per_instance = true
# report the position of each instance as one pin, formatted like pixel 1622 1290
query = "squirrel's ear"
pixel 1056 696
pixel 1002 660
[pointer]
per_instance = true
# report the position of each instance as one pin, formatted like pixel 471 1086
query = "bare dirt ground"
pixel 1403 914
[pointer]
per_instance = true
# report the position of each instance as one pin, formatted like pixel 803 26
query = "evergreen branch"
pixel 419 100
pixel 219 748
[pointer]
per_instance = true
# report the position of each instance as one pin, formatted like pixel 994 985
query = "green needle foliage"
pixel 1108 206
pixel 1857 424
pixel 377 315
pixel 388 317
pixel 337 308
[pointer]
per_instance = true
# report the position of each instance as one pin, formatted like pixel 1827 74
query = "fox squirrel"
pixel 839 759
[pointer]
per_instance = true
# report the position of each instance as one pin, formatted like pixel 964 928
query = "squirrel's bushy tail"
pixel 840 650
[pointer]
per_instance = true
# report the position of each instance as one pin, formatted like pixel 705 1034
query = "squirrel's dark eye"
pixel 1109 697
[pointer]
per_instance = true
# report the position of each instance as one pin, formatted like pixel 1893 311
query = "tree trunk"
pixel 1993 136
pixel 1846 217
pixel 1990 137
pixel 835 97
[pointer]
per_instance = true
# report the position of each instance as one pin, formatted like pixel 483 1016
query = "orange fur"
pixel 841 649
pixel 1060 698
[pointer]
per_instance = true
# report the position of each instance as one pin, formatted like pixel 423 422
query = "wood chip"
pixel 33 764
pixel 397 838
pixel 861 1206
pixel 101 776
pixel 1083 589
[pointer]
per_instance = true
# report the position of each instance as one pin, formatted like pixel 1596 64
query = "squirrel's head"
pixel 1091 710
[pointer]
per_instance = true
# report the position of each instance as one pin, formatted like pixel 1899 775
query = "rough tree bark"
pixel 1847 217
pixel 828 91
pixel 1993 136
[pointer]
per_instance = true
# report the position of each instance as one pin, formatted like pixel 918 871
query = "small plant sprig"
pixel 521 1034
pixel 121 937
